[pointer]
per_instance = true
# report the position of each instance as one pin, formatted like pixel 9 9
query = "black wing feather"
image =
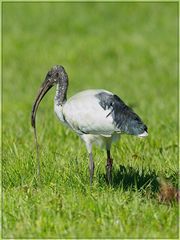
pixel 124 118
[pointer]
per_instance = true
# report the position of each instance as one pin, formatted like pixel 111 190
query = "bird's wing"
pixel 84 113
pixel 101 112
pixel 125 120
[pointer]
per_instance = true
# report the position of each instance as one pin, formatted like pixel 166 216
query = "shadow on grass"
pixel 130 178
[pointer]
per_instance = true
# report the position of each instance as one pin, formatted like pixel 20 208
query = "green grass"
pixel 127 48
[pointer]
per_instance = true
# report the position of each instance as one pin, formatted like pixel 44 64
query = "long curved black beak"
pixel 45 87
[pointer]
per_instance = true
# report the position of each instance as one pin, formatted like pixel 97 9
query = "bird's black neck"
pixel 61 91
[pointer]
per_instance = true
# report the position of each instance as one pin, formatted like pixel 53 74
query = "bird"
pixel 97 116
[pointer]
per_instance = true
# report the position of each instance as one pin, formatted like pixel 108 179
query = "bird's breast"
pixel 58 109
pixel 84 113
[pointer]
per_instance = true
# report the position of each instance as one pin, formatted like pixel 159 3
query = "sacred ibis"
pixel 97 116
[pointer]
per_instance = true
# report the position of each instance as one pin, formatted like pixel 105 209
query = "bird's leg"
pixel 109 167
pixel 88 143
pixel 91 167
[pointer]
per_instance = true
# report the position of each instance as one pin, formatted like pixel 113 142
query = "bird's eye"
pixel 57 75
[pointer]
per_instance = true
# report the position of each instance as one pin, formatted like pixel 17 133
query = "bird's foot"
pixel 109 170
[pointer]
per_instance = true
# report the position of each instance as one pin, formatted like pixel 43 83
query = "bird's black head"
pixel 56 75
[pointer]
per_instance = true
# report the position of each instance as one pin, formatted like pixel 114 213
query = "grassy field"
pixel 127 48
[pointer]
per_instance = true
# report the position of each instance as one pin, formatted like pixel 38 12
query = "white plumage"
pixel 82 111
pixel 83 114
